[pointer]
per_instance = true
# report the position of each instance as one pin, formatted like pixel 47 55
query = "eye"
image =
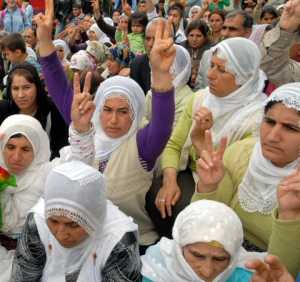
pixel 220 259
pixel 27 149
pixel 10 147
pixel 269 121
pixel 73 225
pixel 106 109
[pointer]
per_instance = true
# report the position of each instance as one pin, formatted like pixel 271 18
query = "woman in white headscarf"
pixel 181 72
pixel 75 234
pixel 206 247
pixel 62 50
pixel 116 145
pixel 95 33
pixel 231 106
pixel 260 178
pixel 25 153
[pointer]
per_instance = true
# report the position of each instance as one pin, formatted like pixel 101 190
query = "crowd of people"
pixel 151 141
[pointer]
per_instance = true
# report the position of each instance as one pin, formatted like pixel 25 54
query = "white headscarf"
pixel 237 110
pixel 18 200
pixel 257 191
pixel 77 191
pixel 195 7
pixel 117 86
pixel 181 67
pixel 101 36
pixel 64 45
pixel 202 221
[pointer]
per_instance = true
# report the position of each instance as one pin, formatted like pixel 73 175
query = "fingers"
pixel 259 266
pixel 208 142
pixel 76 84
pixel 202 164
pixel 49 9
pixel 87 83
pixel 159 29
pixel 274 263
pixel 160 204
pixel 167 33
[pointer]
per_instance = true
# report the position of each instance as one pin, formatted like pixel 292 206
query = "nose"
pixel 207 269
pixel 275 133
pixel 60 232
pixel 114 118
pixel 211 74
pixel 17 155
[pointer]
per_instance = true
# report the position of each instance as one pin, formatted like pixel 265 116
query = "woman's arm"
pixel 124 262
pixel 163 106
pixel 30 256
pixel 56 80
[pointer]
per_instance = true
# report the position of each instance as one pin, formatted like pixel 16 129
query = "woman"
pixel 81 238
pixel 216 20
pixel 206 246
pixel 176 16
pixel 232 105
pixel 181 72
pixel 25 153
pixel 63 52
pixel 197 33
pixel 193 13
pixel 260 179
pixel 27 95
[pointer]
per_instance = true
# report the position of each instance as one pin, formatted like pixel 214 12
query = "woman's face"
pixel 18 154
pixel 221 83
pixel 24 94
pixel 115 16
pixel 115 117
pixel 174 17
pixel 113 66
pixel 67 232
pixel 216 22
pixel 268 18
pixel 60 52
pixel 92 35
pixel 194 14
pixel 205 260
pixel 280 135
pixel 195 38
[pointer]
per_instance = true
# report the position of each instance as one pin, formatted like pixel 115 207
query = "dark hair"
pixel 268 9
pixel 248 20
pixel 138 17
pixel 17 135
pixel 178 7
pixel 30 73
pixel 14 41
pixel 270 104
pixel 197 24
pixel 220 13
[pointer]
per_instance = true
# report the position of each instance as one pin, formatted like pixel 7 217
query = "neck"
pixel 29 111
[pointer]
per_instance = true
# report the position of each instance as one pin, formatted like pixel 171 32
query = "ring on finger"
pixel 162 200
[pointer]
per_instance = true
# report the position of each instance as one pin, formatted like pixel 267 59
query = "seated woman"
pixel 232 105
pixel 123 152
pixel 26 95
pixel 260 178
pixel 181 72
pixel 25 151
pixel 71 237
pixel 206 246
pixel 197 34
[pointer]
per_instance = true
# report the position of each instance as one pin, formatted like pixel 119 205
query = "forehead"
pixel 215 17
pixel 174 13
pixel 61 219
pixel 19 78
pixel 218 61
pixel 236 21
pixel 117 101
pixel 21 141
pixel 207 249
pixel 280 111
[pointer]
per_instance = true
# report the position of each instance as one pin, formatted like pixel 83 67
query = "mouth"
pixel 271 148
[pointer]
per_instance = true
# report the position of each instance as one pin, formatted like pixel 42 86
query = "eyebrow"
pixel 295 126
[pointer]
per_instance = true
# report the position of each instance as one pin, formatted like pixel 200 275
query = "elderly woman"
pixel 232 105
pixel 72 238
pixel 260 178
pixel 63 51
pixel 25 153
pixel 206 246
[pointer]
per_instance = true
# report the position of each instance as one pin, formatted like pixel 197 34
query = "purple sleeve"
pixel 151 140
pixel 58 85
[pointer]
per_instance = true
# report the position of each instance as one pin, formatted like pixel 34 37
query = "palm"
pixel 163 52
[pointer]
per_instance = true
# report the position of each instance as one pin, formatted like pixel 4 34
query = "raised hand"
pixel 288 195
pixel 290 18
pixel 96 8
pixel 269 270
pixel 210 167
pixel 45 22
pixel 82 106
pixel 203 121
pixel 126 8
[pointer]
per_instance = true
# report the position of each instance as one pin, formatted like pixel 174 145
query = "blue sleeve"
pixel 145 279
pixel 240 275
pixel 298 278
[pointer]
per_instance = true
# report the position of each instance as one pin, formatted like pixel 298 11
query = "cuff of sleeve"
pixel 73 131
pixel 167 92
